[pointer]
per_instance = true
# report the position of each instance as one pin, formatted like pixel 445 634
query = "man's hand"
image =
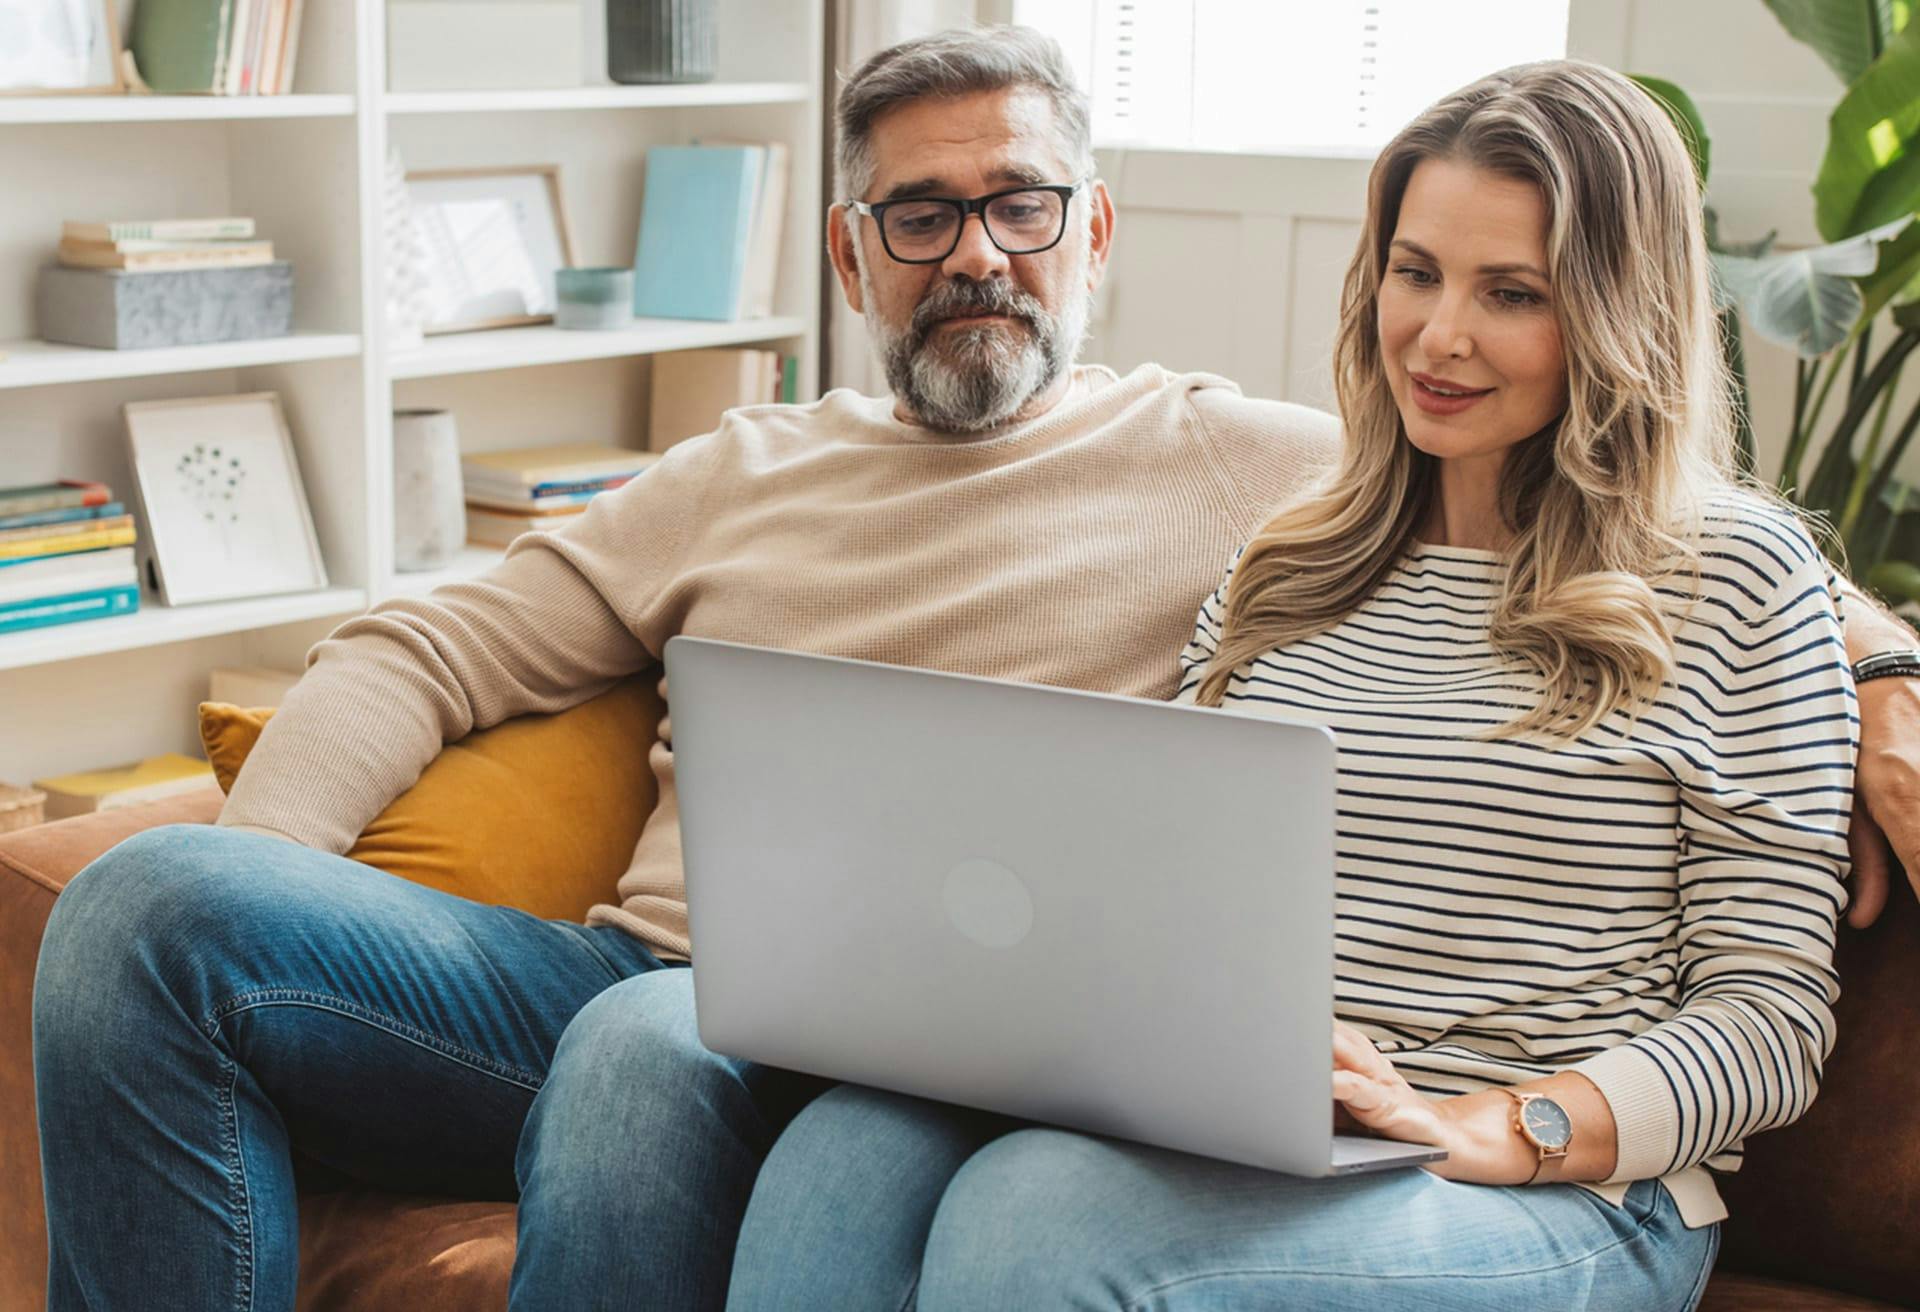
pixel 1886 795
pixel 1886 785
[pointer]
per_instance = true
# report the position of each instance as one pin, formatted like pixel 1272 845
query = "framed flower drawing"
pixel 225 512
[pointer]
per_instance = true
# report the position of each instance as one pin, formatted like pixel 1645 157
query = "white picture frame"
pixel 493 239
pixel 60 47
pixel 225 514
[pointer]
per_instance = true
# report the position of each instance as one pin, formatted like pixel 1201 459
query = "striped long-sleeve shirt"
pixel 1652 904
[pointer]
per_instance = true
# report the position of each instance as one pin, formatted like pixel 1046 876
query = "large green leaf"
pixel 1686 117
pixel 1848 34
pixel 1871 172
pixel 1805 299
pixel 1896 279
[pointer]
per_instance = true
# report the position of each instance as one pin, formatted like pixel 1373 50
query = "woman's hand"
pixel 1376 1097
pixel 1476 1129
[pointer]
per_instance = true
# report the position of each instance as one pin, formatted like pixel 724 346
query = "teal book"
pixel 178 44
pixel 695 222
pixel 93 605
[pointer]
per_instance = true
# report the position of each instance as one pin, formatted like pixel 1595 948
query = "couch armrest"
pixel 35 864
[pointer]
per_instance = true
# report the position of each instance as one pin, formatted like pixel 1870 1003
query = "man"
pixel 211 1000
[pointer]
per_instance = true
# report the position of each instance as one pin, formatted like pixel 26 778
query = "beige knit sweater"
pixel 1073 550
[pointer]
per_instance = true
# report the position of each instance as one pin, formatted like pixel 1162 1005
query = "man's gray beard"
pixel 974 379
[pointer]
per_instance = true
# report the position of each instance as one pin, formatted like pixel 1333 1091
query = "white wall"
pixel 1233 263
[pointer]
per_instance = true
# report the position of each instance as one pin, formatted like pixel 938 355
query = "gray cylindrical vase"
pixel 429 504
pixel 662 40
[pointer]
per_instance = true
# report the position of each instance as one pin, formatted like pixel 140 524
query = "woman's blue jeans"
pixel 210 1003
pixel 875 1201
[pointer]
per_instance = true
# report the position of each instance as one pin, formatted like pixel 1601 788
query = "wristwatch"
pixel 1883 664
pixel 1544 1124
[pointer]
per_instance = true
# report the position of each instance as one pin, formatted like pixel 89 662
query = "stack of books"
pixel 711 220
pixel 66 554
pixel 217 47
pixel 148 245
pixel 541 487
pixel 123 785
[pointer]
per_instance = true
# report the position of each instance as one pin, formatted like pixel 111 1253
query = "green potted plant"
pixel 1850 309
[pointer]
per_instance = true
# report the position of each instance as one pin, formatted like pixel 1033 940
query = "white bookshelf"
pixel 29 362
pixel 310 166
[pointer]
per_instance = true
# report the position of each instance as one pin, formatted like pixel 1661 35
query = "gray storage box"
pixel 183 307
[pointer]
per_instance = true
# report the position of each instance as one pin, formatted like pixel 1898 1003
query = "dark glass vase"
pixel 661 40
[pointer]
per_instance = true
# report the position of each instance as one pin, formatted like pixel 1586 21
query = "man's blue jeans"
pixel 210 1002
pixel 874 1202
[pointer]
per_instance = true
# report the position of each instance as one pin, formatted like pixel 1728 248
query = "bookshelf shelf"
pixel 471 562
pixel 165 109
pixel 519 348
pixel 155 625
pixel 30 363
pixel 611 97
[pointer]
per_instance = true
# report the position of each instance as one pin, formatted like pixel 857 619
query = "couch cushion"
pixel 540 813
pixel 1831 1199
pixel 1728 1292
pixel 364 1251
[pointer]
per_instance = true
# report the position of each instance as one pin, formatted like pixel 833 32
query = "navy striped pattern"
pixel 1652 904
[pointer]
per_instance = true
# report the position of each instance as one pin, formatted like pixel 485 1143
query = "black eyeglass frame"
pixel 877 211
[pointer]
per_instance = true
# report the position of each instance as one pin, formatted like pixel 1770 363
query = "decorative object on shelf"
pixel 66 554
pixel 216 47
pixel 541 487
pixel 494 239
pixel 594 299
pixel 225 509
pixel 483 45
pixel 20 808
pixel 429 508
pixel 69 47
pixel 117 310
pixel 710 226
pixel 662 40
pixel 409 299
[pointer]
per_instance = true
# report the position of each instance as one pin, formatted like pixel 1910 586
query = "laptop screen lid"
pixel 1075 908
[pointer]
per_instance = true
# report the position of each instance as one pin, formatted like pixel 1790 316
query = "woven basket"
pixel 20 808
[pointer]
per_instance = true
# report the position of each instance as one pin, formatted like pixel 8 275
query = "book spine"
pixel 94 605
pixel 19 553
pixel 159 230
pixel 72 515
pixel 140 261
pixel 66 498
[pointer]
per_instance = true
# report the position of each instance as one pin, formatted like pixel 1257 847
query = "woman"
pixel 1596 745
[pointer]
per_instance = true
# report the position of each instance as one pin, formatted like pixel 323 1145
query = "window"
pixel 1283 77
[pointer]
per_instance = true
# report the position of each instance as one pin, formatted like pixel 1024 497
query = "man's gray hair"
pixel 958 63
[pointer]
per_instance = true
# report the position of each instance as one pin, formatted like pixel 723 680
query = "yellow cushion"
pixel 541 812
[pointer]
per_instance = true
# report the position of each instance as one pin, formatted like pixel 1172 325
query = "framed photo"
pixel 226 514
pixel 65 47
pixel 492 240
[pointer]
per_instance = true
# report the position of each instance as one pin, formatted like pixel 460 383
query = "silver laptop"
pixel 1086 910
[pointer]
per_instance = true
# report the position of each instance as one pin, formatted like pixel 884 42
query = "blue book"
pixel 43 611
pixel 40 517
pixel 695 223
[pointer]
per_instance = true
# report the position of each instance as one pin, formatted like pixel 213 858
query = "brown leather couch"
pixel 1826 1214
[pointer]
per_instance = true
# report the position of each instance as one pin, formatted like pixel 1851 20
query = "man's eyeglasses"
pixel 926 229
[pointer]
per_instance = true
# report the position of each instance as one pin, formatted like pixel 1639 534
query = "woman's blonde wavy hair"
pixel 1604 501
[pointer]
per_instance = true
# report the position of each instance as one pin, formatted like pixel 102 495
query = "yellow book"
pixel 123 785
pixel 526 468
pixel 92 540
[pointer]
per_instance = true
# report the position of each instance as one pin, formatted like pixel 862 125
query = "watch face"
pixel 1547 1121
